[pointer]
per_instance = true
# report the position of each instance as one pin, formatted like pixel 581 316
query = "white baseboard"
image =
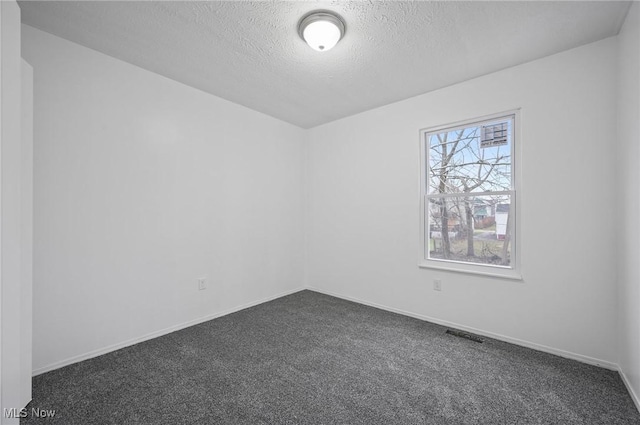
pixel 632 393
pixel 516 341
pixel 114 347
pixel 523 343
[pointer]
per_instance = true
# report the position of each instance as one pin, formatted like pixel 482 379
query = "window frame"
pixel 513 271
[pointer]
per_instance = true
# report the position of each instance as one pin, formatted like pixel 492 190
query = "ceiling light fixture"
pixel 321 29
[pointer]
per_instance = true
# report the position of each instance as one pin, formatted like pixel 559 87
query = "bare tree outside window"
pixel 469 192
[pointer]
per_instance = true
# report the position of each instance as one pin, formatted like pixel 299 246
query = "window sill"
pixel 473 269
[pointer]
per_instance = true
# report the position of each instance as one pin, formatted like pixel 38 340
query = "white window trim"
pixel 513 271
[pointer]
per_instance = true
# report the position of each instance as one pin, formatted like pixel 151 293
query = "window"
pixel 468 196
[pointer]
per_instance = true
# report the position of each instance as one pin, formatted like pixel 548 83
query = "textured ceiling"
pixel 250 53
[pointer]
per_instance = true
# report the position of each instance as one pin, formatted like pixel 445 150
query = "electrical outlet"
pixel 202 284
pixel 437 285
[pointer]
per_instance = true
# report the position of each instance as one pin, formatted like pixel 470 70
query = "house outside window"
pixel 469 196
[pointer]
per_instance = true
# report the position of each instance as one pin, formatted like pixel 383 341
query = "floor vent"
pixel 461 334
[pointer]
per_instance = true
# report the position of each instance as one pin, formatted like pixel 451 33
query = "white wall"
pixel 628 178
pixel 26 195
pixel 15 371
pixel 142 185
pixel 363 208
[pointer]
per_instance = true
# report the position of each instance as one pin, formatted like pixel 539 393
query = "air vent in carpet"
pixel 465 335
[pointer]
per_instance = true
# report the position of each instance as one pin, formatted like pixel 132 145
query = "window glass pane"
pixel 478 229
pixel 476 158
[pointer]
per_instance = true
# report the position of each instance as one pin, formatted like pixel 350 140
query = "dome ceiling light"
pixel 321 29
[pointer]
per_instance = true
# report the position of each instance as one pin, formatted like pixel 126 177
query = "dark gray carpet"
pixel 313 359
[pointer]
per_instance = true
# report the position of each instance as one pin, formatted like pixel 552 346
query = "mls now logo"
pixel 14 412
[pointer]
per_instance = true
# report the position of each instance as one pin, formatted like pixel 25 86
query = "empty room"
pixel 300 212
